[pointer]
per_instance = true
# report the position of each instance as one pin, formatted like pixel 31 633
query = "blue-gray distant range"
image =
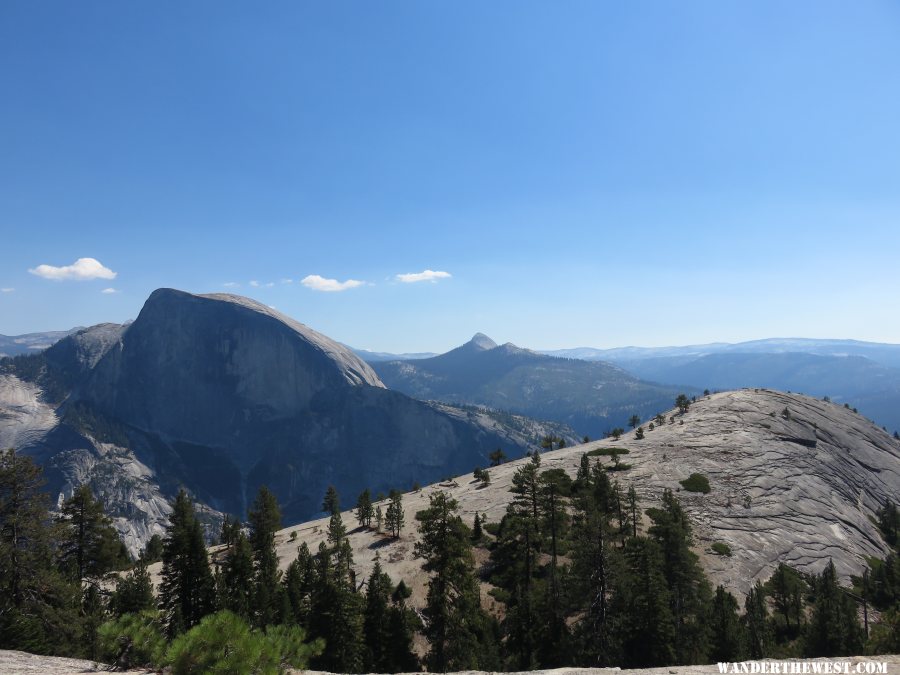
pixel 591 397
pixel 863 375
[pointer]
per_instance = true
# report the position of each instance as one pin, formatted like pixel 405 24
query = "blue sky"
pixel 588 173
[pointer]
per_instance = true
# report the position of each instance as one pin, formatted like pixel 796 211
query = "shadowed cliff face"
pixel 223 394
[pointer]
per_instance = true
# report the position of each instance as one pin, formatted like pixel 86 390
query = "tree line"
pixel 582 573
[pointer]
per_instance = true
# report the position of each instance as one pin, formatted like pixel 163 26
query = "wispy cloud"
pixel 110 291
pixel 259 284
pixel 231 284
pixel 287 281
pixel 7 290
pixel 428 275
pixel 83 269
pixel 317 283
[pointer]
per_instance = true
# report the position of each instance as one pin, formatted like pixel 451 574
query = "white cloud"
pixel 317 283
pixel 287 281
pixel 7 290
pixel 110 291
pixel 231 284
pixel 427 275
pixel 83 269
pixel 254 283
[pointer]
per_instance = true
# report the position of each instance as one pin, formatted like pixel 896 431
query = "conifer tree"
pixel 727 633
pixel 237 587
pixel 642 603
pixel 187 591
pixel 298 586
pixel 134 592
pixel 458 630
pixel 89 546
pixel 394 517
pixel 757 628
pixel 690 594
pixel 336 616
pixel 364 510
pixel 265 521
pixel 331 504
pixel 375 623
pixel 38 608
pixel 555 487
pixel 833 628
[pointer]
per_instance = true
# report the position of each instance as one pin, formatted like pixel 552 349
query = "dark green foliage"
pixel 607 452
pixel 134 592
pixel 617 433
pixel 89 422
pixel 477 532
pixel 497 457
pixel 336 613
pixel 639 434
pixel 40 611
pixel 759 639
pixel 689 590
pixel 364 509
pixel 331 504
pixel 133 640
pixel 88 544
pixel 833 628
pixel 224 643
pixel 187 592
pixel 298 583
pixel 787 589
pixel 682 402
pixel 721 548
pixel 394 516
pixel 727 638
pixel 265 520
pixel 153 550
pixel 633 421
pixel 388 626
pixel 459 632
pixel 482 475
pixel 236 591
pixel 889 523
pixel 231 527
pixel 696 482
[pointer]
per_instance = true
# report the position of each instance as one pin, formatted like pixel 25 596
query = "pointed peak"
pixel 482 341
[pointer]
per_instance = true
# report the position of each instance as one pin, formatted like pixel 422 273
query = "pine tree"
pixel 331 504
pixel 592 576
pixel 298 586
pixel 645 628
pixel 134 592
pixel 555 487
pixel 153 550
pixel 834 628
pixel 236 592
pixel 379 518
pixel 89 546
pixel 477 533
pixel 690 594
pixel 727 633
pixel 265 521
pixel 39 609
pixel 187 592
pixel 497 457
pixel 375 624
pixel 364 510
pixel 458 630
pixel 336 616
pixel 757 628
pixel 394 517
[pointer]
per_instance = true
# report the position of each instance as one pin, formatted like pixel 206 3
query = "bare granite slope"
pixel 797 487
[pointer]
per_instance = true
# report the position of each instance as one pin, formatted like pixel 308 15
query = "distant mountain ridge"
pixel 590 397
pixel 13 345
pixel 884 353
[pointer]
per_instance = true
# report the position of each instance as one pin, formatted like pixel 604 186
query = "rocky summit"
pixel 792 479
pixel 221 394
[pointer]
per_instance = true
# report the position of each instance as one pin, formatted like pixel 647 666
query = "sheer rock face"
pixel 221 394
